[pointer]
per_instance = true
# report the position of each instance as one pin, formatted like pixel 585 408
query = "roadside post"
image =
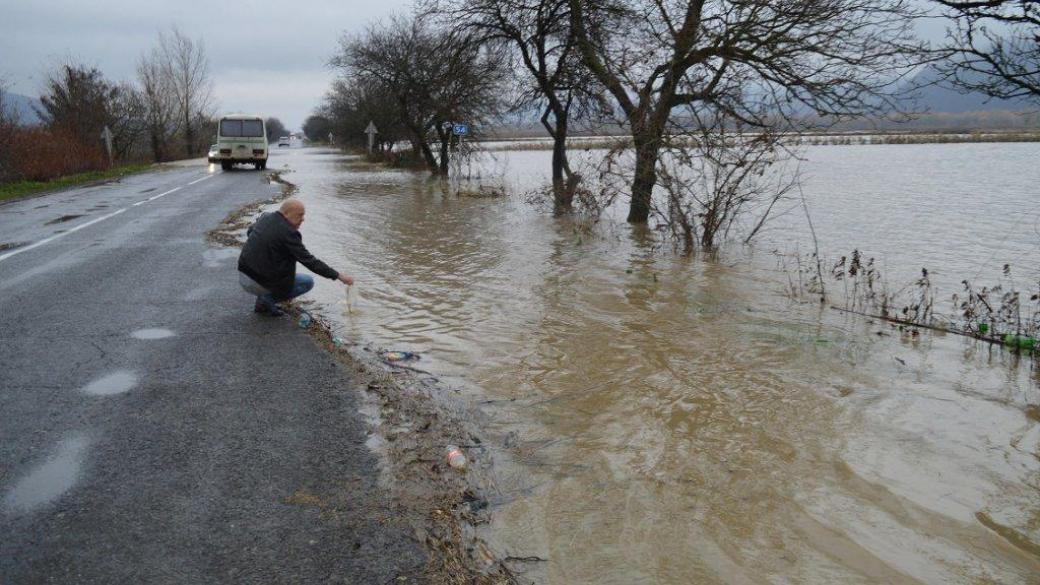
pixel 106 137
pixel 371 131
pixel 460 130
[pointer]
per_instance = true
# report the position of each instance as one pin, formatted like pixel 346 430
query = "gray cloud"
pixel 266 56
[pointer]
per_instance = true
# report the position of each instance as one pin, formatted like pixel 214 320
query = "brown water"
pixel 655 419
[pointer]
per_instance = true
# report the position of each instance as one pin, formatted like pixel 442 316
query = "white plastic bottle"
pixel 351 297
pixel 455 457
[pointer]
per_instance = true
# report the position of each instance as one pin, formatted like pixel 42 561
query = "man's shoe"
pixel 266 309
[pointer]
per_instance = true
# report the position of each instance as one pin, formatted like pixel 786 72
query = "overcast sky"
pixel 266 57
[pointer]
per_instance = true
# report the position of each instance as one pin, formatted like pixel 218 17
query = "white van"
pixel 241 139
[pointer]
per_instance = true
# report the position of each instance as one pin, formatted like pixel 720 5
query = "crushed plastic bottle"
pixel 305 320
pixel 455 458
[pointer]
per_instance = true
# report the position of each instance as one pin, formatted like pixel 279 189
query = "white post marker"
pixel 371 131
pixel 106 137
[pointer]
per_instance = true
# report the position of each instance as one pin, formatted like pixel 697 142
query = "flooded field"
pixel 657 419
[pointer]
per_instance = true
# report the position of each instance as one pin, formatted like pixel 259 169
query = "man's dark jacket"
pixel 271 253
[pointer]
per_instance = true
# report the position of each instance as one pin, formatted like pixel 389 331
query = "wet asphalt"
pixel 153 429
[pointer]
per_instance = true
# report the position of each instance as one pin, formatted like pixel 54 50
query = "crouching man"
pixel 267 264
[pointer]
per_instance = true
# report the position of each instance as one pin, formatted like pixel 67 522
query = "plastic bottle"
pixel 351 297
pixel 337 341
pixel 305 320
pixel 455 457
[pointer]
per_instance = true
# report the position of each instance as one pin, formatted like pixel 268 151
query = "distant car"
pixel 213 151
pixel 283 141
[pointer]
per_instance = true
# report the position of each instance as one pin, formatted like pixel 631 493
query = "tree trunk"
pixel 647 152
pixel 445 142
pixel 563 191
pixel 189 136
pixel 157 146
pixel 431 161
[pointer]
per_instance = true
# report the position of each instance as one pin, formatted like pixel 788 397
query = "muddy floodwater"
pixel 657 419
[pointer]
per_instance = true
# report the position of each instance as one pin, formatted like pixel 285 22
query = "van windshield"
pixel 242 128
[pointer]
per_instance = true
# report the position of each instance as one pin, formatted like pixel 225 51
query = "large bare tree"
pixel 762 63
pixel 79 100
pixel 433 77
pixel 995 47
pixel 538 35
pixel 188 70
pixel 160 101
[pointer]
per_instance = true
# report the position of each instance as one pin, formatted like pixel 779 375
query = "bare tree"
pixel 432 77
pixel 160 101
pixel 127 121
pixel 317 127
pixel 348 110
pixel 8 127
pixel 761 62
pixel 995 47
pixel 720 178
pixel 539 37
pixel 188 71
pixel 82 102
pixel 275 129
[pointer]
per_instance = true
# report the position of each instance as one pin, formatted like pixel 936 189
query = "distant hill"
pixel 22 106
pixel 943 100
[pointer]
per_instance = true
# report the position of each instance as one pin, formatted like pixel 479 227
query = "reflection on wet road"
pixel 664 420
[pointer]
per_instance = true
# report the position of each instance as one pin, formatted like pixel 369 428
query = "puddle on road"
pixel 150 334
pixel 218 257
pixel 63 219
pixel 114 383
pixel 198 294
pixel 50 479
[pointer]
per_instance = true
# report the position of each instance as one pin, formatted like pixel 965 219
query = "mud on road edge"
pixel 440 505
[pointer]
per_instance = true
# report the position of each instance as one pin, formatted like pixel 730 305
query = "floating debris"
pixel 399 356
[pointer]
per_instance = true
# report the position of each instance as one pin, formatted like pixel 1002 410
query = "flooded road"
pixel 655 419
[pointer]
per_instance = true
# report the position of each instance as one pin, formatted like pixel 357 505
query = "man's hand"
pixel 347 280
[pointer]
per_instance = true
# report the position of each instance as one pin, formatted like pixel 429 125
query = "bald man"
pixel 267 264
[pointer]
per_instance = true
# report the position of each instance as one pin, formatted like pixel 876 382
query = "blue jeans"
pixel 303 284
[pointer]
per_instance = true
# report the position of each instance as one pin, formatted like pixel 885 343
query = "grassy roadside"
pixel 12 191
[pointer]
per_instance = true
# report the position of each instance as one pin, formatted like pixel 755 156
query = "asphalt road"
pixel 153 429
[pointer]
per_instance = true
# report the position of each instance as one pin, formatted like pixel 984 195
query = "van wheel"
pixel 263 165
pixel 225 165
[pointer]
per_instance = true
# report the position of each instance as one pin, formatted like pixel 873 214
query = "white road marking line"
pixel 92 222
pixel 61 235
pixel 163 194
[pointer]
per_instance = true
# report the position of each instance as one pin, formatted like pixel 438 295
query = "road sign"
pixel 371 131
pixel 459 129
